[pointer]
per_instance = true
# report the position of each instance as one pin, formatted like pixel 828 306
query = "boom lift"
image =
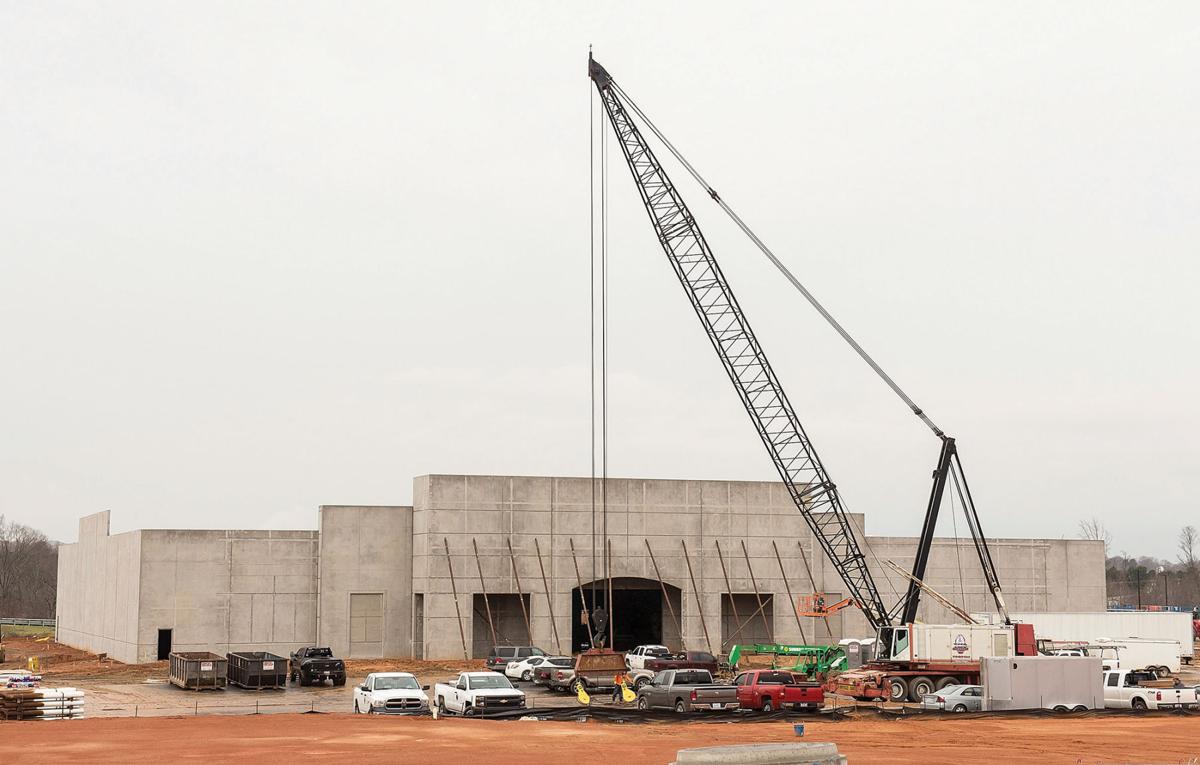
pixel 792 452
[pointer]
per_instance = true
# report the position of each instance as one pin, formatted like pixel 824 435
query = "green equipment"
pixel 811 660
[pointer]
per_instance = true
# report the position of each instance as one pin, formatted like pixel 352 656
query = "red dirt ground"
pixel 291 739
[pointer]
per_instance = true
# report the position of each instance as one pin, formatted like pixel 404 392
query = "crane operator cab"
pixel 894 643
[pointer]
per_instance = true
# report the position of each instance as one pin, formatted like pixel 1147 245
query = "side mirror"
pixel 364 687
pixel 424 687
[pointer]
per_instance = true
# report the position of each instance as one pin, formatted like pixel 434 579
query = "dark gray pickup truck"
pixel 312 665
pixel 686 690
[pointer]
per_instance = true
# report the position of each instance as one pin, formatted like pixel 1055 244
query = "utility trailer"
pixel 257 670
pixel 1060 683
pixel 1090 627
pixel 198 670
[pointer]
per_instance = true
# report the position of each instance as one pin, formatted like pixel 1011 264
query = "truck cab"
pixel 390 693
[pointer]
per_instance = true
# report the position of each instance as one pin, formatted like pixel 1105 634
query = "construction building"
pixel 478 560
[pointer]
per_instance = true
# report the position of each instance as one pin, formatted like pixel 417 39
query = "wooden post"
pixel 788 587
pixel 666 597
pixel 520 595
pixel 699 605
pixel 732 602
pixel 483 589
pixel 454 589
pixel 587 611
pixel 770 631
pixel 549 597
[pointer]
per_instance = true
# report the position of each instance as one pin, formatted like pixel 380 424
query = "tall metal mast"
pixel 794 456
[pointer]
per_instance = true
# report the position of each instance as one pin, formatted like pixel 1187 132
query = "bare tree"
pixel 28 572
pixel 1093 529
pixel 1188 539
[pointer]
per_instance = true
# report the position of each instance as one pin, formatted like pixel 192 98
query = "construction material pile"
pixel 41 703
pixel 19 678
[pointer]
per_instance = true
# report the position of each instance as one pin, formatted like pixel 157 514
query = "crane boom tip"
pixel 598 73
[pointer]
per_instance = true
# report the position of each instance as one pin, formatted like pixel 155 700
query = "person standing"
pixel 618 688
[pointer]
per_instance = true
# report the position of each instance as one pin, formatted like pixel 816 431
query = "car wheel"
pixel 959 708
pixel 1139 704
pixel 1060 708
pixel 919 687
pixel 1080 708
pixel 527 676
pixel 680 707
pixel 897 689
pixel 1164 671
pixel 641 681
pixel 946 681
pixel 643 703
pixel 467 710
pixel 767 706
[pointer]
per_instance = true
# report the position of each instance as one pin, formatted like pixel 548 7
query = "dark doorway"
pixel 508 621
pixel 639 614
pixel 164 645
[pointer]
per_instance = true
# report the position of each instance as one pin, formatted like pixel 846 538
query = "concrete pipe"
pixel 762 754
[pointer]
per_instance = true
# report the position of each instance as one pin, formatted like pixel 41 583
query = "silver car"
pixel 954 698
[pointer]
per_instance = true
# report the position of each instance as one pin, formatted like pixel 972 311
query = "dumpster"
pixel 198 670
pixel 257 669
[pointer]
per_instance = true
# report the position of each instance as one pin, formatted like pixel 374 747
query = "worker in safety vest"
pixel 618 687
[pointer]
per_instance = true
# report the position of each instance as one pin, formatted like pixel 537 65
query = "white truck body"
pixel 477 693
pixel 1084 627
pixel 1121 691
pixel 1140 653
pixel 1062 683
pixel 636 659
pixel 953 642
pixel 390 693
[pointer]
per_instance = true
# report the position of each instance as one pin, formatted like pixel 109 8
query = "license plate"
pixel 717 706
pixel 326 673
pixel 268 665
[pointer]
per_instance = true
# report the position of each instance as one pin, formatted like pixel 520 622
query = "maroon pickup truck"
pixel 685 660
pixel 769 689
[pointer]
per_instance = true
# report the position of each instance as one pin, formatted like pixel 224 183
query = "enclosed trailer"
pixel 199 670
pixel 257 670
pixel 1162 656
pixel 1089 627
pixel 1061 683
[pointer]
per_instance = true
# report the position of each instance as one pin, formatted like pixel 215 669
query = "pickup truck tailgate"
pixel 1168 698
pixel 714 697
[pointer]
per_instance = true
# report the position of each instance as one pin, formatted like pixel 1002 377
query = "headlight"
pixel 376 703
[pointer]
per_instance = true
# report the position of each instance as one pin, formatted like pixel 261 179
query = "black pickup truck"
pixel 316 665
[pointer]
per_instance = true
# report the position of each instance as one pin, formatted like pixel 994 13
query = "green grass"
pixel 24 630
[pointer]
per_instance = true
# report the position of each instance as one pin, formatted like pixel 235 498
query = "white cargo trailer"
pixel 1140 653
pixel 1060 683
pixel 1089 627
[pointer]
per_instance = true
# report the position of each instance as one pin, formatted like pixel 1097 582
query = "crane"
pixel 762 395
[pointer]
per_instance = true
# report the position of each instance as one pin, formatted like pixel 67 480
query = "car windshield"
pixel 490 681
pixel 396 683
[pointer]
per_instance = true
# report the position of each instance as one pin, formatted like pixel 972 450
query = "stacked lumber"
pixel 41 703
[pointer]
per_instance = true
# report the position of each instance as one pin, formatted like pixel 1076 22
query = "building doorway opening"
pixel 639 613
pixel 508 620
pixel 164 645
pixel 741 621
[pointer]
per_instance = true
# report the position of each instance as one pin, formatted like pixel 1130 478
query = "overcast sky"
pixel 258 257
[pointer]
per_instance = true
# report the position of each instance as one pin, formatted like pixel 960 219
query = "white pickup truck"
pixel 390 693
pixel 1125 689
pixel 636 659
pixel 477 693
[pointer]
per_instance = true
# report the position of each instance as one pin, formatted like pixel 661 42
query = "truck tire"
pixel 918 687
pixel 946 682
pixel 1138 704
pixel 643 703
pixel 441 705
pixel 1079 708
pixel 339 681
pixel 304 681
pixel 680 707
pixel 577 686
pixel 1163 671
pixel 767 706
pixel 1060 708
pixel 295 676
pixel 897 689
pixel 637 684
pixel 468 710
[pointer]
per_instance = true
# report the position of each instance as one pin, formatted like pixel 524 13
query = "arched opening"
pixel 639 612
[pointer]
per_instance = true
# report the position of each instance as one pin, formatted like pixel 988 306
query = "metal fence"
pixel 26 622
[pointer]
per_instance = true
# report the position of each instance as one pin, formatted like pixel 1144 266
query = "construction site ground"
pixel 221 725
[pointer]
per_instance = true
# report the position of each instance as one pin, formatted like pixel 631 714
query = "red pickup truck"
pixel 769 689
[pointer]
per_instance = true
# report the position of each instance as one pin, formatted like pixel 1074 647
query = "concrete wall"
pixel 98 586
pixel 492 510
pixel 228 590
pixel 366 550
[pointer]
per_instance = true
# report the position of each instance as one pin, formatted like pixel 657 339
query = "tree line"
pixel 1142 581
pixel 28 572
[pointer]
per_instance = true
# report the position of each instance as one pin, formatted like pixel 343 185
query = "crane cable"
pixel 779 265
